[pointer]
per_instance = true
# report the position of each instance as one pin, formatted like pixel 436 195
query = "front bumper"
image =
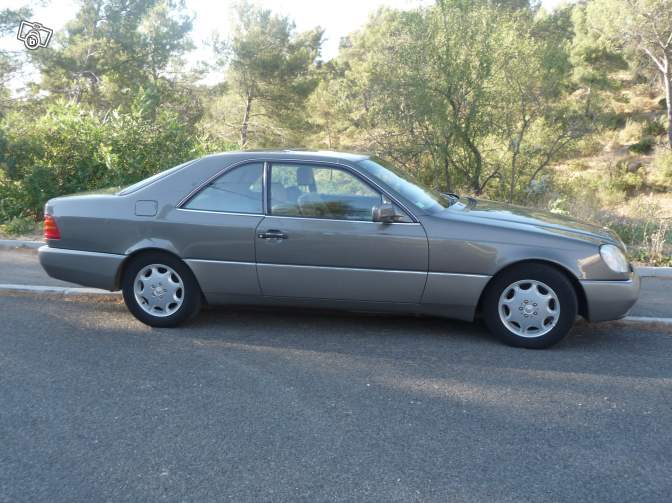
pixel 97 270
pixel 611 300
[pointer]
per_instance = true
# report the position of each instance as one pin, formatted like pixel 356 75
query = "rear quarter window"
pixel 236 191
pixel 154 178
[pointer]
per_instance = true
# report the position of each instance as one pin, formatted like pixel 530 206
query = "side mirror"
pixel 384 213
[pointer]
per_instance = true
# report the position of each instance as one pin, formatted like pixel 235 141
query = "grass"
pixel 628 193
pixel 21 228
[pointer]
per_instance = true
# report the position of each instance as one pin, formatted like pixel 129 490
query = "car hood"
pixel 509 213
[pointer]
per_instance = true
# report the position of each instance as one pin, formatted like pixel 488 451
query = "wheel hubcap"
pixel 158 290
pixel 529 308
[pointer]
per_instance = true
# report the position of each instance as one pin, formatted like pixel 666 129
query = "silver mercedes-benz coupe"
pixel 335 230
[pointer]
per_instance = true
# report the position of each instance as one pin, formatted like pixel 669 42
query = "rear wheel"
pixel 160 290
pixel 530 306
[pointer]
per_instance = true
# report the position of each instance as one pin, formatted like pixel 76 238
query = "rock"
pixel 633 166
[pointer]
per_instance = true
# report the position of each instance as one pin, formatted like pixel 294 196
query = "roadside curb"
pixel 654 272
pixel 12 244
pixel 59 290
pixel 646 319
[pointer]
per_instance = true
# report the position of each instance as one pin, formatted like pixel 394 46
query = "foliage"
pixel 593 60
pixel 611 120
pixel 464 95
pixel 70 149
pixel 112 49
pixel 9 64
pixel 654 128
pixel 661 176
pixel 19 226
pixel 271 73
pixel 631 132
pixel 627 182
pixel 643 146
pixel 643 27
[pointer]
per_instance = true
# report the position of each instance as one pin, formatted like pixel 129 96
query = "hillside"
pixel 621 174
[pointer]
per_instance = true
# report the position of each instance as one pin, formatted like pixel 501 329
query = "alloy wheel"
pixel 158 290
pixel 529 308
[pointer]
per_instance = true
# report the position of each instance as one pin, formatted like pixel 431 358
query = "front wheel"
pixel 160 290
pixel 530 306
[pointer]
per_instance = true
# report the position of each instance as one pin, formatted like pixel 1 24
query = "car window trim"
pixel 267 163
pixel 185 200
pixel 343 220
pixel 239 213
pixel 265 191
pixel 348 169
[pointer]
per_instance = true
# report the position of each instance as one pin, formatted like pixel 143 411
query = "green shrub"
pixel 577 165
pixel 655 128
pixel 627 182
pixel 630 231
pixel 661 172
pixel 612 120
pixel 643 146
pixel 631 132
pixel 623 180
pixel 559 206
pixel 70 149
pixel 586 146
pixel 9 205
pixel 54 154
pixel 19 226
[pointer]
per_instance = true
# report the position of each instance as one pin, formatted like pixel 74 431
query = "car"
pixel 339 231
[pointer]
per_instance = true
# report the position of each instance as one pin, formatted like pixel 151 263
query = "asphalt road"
pixel 252 405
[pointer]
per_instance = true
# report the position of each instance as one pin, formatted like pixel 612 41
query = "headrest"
pixel 278 191
pixel 304 176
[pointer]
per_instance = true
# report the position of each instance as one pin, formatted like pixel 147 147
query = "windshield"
pixel 153 178
pixel 423 197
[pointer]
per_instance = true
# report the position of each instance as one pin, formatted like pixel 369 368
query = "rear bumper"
pixel 611 300
pixel 97 270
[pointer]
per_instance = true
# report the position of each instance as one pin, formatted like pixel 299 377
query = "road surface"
pixel 263 405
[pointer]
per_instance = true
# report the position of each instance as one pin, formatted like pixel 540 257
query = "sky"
pixel 337 18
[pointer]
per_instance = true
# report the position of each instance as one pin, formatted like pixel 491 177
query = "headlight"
pixel 614 258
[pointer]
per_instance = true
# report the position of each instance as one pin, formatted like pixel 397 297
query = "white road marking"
pixel 646 319
pixel 63 290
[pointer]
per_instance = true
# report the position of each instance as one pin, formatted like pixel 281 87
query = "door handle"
pixel 272 234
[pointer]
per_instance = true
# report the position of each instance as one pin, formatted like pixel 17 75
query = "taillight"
pixel 50 228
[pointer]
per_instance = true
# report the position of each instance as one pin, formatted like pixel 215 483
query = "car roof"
pixel 308 155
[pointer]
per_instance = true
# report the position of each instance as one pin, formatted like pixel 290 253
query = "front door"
pixel 318 240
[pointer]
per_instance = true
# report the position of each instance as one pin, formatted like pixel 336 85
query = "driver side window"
pixel 300 190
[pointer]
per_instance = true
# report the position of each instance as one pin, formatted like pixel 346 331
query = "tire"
pixel 530 306
pixel 160 290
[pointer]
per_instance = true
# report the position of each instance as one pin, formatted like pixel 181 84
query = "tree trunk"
pixel 512 188
pixel 478 164
pixel 667 80
pixel 476 181
pixel 246 121
pixel 588 112
pixel 446 172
